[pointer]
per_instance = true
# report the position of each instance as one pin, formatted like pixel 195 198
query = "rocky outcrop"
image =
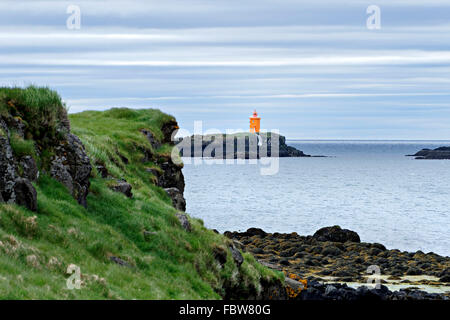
pixel 238 146
pixel 7 166
pixel 442 153
pixel 71 166
pixel 178 200
pixel 168 130
pixel 29 168
pixel 336 254
pixel 25 194
pixel 171 176
pixel 61 155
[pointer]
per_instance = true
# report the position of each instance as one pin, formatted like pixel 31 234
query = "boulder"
pixel 336 234
pixel 25 194
pixel 255 232
pixel 123 187
pixel 178 200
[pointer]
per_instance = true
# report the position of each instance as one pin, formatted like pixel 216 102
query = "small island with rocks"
pixel 245 145
pixel 441 153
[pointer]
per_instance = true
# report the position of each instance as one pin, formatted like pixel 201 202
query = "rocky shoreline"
pixel 335 263
pixel 441 153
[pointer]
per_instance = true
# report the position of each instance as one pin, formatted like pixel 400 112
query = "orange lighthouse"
pixel 255 123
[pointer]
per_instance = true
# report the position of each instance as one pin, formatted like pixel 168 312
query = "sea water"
pixel 366 186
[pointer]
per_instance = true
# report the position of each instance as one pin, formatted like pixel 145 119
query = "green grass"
pixel 41 110
pixel 36 248
pixel 21 147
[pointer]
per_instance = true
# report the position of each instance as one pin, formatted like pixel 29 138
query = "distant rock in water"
pixel 441 153
pixel 237 146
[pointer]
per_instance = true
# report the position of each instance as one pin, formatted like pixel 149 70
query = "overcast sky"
pixel 312 69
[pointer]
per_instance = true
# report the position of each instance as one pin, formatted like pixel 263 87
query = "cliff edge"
pixel 92 207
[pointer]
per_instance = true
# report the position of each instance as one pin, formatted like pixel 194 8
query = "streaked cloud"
pixel 311 68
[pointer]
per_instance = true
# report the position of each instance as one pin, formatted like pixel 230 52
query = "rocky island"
pixel 237 146
pixel 441 153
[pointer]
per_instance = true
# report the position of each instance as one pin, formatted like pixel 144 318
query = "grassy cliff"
pixel 126 248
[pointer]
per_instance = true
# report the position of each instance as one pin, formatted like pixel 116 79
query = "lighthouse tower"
pixel 255 123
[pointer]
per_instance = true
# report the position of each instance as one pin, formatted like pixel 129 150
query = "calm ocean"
pixel 366 186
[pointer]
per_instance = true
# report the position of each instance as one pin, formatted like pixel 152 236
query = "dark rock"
pixel 25 193
pixel 284 262
pixel 239 245
pixel 103 171
pixel 272 290
pixel 30 169
pixel 71 166
pixel 220 255
pixel 440 153
pixel 374 251
pixel 169 129
pixel 255 232
pixel 183 219
pixel 153 171
pixel 151 139
pixel 330 290
pixel 379 246
pixel 7 166
pixel 336 234
pixel 288 252
pixel 445 279
pixel 331 251
pixel 120 262
pixel 237 256
pixel 172 176
pixel 178 200
pixel 412 271
pixel 257 251
pixel 123 158
pixel 123 187
pixel 311 294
